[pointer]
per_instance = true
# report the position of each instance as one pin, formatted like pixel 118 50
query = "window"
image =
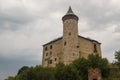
pixel 65 43
pixel 50 61
pixel 95 48
pixel 55 59
pixel 73 54
pixel 59 58
pixel 77 46
pixel 45 48
pixel 94 79
pixel 69 33
pixel 46 54
pixel 50 53
pixel 45 59
pixel 50 46
pixel 79 54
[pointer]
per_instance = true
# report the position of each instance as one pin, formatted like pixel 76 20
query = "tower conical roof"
pixel 70 14
pixel 69 11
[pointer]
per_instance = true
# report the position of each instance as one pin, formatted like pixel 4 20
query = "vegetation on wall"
pixel 78 70
pixel 117 57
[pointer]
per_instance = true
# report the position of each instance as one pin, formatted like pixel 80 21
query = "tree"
pixel 67 72
pixel 22 69
pixel 59 71
pixel 10 78
pixel 117 57
pixel 81 66
pixel 95 61
pixel 78 70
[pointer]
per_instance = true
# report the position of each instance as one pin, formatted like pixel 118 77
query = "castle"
pixel 70 46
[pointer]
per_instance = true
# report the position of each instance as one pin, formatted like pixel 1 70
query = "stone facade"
pixel 70 46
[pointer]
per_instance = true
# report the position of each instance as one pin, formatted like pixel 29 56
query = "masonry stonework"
pixel 70 46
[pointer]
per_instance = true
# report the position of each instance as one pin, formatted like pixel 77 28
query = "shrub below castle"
pixel 78 70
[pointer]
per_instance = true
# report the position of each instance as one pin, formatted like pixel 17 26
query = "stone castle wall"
pixel 86 47
pixel 52 53
pixel 56 54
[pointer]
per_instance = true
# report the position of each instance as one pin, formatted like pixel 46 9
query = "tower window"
pixel 79 54
pixel 45 48
pixel 73 54
pixel 50 53
pixel 95 48
pixel 77 46
pixel 55 59
pixel 69 33
pixel 46 54
pixel 65 43
pixel 50 46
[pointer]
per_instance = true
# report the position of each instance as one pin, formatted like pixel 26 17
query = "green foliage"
pixel 59 71
pixel 10 78
pixel 115 76
pixel 117 57
pixel 81 66
pixel 63 72
pixel 22 69
pixel 78 70
pixel 95 61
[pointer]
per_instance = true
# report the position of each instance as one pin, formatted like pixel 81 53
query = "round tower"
pixel 70 36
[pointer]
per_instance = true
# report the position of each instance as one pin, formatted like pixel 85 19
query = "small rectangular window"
pixel 69 33
pixel 46 54
pixel 50 46
pixel 55 59
pixel 50 61
pixel 45 48
pixel 95 48
pixel 73 54
pixel 77 46
pixel 65 43
pixel 50 53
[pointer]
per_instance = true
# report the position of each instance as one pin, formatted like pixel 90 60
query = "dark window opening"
pixel 50 53
pixel 51 47
pixel 73 54
pixel 94 79
pixel 55 59
pixel 46 48
pixel 45 59
pixel 77 46
pixel 46 54
pixel 65 43
pixel 79 54
pixel 95 48
pixel 69 33
pixel 50 61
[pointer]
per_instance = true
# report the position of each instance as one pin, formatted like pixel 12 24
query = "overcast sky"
pixel 25 25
